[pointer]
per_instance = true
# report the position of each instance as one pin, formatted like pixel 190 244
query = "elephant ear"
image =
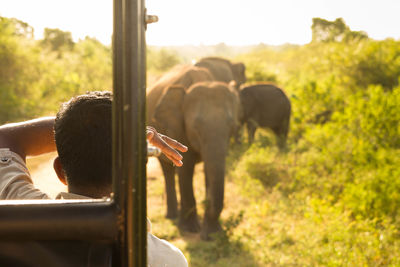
pixel 168 113
pixel 186 80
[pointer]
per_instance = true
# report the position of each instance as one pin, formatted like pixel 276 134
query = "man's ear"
pixel 59 170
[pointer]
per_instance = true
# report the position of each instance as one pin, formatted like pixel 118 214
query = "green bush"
pixel 36 76
pixel 340 177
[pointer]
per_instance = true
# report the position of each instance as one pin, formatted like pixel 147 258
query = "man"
pixel 82 138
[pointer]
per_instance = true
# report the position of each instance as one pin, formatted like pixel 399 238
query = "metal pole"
pixel 117 108
pixel 117 158
pixel 129 163
pixel 134 91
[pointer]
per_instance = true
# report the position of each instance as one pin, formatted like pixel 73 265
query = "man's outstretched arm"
pixel 29 138
pixel 35 137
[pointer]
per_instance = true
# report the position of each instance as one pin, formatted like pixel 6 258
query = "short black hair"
pixel 82 131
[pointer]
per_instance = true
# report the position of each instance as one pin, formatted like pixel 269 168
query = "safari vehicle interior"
pixel 98 232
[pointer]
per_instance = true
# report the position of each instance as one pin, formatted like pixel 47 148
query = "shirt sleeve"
pixel 15 180
pixel 161 253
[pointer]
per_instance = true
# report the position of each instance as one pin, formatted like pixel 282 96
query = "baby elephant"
pixel 265 105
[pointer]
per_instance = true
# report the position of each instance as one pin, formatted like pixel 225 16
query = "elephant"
pixel 203 117
pixel 265 105
pixel 184 76
pixel 223 70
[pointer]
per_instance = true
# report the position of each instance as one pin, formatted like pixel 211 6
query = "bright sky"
pixel 234 22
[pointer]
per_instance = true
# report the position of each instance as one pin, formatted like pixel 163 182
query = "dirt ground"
pixel 44 177
pixel 43 174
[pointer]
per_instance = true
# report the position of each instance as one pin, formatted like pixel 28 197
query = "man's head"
pixel 82 131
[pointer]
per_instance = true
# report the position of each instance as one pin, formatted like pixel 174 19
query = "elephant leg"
pixel 281 135
pixel 251 130
pixel 169 175
pixel 188 220
pixel 237 135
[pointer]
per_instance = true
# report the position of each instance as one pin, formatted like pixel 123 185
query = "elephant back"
pixel 262 91
pixel 220 68
pixel 224 70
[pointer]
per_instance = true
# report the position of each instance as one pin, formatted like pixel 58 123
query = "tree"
pixel 57 40
pixel 334 31
pixel 18 27
pixel 222 50
pixel 18 69
pixel 162 60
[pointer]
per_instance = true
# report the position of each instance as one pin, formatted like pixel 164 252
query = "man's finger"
pixel 174 144
pixel 149 134
pixel 159 142
pixel 169 151
pixel 176 162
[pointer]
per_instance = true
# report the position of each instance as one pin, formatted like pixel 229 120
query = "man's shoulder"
pixel 15 180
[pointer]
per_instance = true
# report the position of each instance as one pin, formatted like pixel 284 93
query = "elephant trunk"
pixel 214 169
pixel 215 173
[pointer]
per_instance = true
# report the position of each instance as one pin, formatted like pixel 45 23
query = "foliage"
pixel 161 60
pixel 57 39
pixel 17 70
pixel 19 28
pixel 36 76
pixel 331 31
pixel 336 192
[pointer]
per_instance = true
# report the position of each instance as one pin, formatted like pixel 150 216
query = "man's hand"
pixel 167 145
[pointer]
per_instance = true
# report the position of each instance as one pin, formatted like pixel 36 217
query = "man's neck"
pixel 86 193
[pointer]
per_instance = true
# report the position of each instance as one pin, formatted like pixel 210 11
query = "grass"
pixel 267 224
pixel 227 249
